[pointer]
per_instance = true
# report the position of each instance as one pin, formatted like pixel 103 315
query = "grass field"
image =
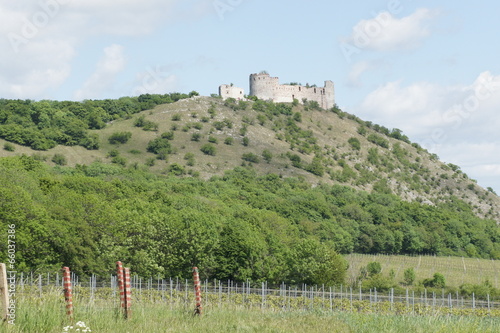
pixel 457 270
pixel 46 315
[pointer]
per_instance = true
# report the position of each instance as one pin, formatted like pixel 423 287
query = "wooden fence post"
pixel 121 284
pixel 4 292
pixel 197 290
pixel 68 292
pixel 128 293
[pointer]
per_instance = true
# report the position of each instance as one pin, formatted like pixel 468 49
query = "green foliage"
pixel 373 268
pixel 355 144
pixel 120 160
pixel 213 139
pixel 409 276
pixel 154 146
pixel 228 141
pixel 176 117
pixel 59 159
pixel 378 140
pixel 245 141
pixel 195 137
pixel 9 146
pixel 250 157
pixel 43 125
pixel 239 225
pixel 267 155
pixel 208 149
pixel 119 137
pixel 437 281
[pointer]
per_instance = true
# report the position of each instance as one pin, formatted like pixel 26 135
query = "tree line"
pixel 238 226
pixel 44 124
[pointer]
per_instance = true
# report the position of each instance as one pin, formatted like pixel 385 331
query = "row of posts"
pixel 124 286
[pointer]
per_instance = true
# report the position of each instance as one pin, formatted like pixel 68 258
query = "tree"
pixel 267 155
pixel 373 268
pixel 208 149
pixel 59 159
pixel 119 137
pixel 409 276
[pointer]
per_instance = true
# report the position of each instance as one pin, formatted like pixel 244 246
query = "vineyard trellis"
pixel 98 292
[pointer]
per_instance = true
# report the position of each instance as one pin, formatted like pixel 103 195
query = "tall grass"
pixel 46 314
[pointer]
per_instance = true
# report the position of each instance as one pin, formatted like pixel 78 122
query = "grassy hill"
pixel 322 147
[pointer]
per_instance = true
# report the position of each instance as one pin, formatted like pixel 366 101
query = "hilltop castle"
pixel 266 87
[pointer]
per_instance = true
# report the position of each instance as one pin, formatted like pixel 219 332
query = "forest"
pixel 238 226
pixel 42 125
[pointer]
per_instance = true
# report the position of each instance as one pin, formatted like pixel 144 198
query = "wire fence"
pixel 104 292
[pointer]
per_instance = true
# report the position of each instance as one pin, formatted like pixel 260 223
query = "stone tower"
pixel 266 87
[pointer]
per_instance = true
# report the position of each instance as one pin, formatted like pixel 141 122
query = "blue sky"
pixel 429 68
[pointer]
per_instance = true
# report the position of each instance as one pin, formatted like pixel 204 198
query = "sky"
pixel 428 68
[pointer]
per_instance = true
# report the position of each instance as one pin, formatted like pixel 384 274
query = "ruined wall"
pixel 227 91
pixel 268 88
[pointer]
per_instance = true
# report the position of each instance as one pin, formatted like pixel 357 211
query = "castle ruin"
pixel 265 87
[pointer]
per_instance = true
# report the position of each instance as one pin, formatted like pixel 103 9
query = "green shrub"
pixel 208 149
pixel 355 144
pixel 228 141
pixel 120 160
pixel 195 137
pixel 119 137
pixel 9 146
pixel 250 157
pixel 245 141
pixel 59 159
pixel 378 140
pixel 409 276
pixel 212 139
pixel 267 155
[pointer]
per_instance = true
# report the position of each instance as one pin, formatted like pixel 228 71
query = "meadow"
pixel 237 309
pixel 457 270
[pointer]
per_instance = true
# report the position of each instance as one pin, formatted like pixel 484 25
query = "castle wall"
pixel 268 88
pixel 227 91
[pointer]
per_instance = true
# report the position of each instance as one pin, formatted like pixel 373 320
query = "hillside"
pixel 247 190
pixel 323 147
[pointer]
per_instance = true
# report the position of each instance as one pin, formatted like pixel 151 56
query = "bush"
pixel 195 137
pixel 113 153
pixel 355 144
pixel 154 146
pixel 212 139
pixel 267 155
pixel 176 117
pixel 437 281
pixel 409 276
pixel 208 149
pixel 9 146
pixel 119 137
pixel 59 159
pixel 120 160
pixel 250 157
pixel 378 140
pixel 245 141
pixel 373 268
pixel 228 141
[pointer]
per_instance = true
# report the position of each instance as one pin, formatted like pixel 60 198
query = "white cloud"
pixel 155 80
pixel 459 123
pixel 384 32
pixel 357 69
pixel 43 36
pixel 102 80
